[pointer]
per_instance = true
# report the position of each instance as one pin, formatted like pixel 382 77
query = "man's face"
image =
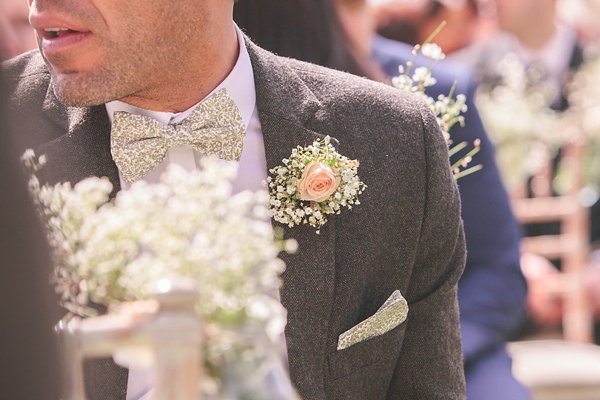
pixel 103 50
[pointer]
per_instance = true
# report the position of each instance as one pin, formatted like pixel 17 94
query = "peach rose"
pixel 318 182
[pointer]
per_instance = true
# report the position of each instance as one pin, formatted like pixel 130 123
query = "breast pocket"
pixel 364 370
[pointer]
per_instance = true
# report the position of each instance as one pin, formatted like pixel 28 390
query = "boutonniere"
pixel 313 182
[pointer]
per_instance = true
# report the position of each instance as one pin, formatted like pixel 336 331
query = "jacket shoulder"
pixel 26 77
pixel 24 65
pixel 341 91
pixel 25 83
pixel 373 106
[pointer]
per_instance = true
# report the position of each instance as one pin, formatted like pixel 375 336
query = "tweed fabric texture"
pixel 406 235
pixel 214 128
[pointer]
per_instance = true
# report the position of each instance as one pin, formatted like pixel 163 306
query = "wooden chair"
pixel 566 369
pixel 571 246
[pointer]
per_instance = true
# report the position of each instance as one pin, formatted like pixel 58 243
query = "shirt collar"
pixel 555 55
pixel 239 84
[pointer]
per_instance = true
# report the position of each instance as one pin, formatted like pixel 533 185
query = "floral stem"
pixel 434 34
pixel 457 148
pixel 468 171
pixel 451 94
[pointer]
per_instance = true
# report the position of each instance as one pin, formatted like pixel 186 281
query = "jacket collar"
pixel 84 150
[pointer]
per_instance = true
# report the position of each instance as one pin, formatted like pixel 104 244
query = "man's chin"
pixel 74 90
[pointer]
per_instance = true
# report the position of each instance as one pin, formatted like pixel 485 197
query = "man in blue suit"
pixel 492 290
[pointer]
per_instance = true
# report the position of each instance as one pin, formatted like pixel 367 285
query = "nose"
pixel 37 7
pixel 37 10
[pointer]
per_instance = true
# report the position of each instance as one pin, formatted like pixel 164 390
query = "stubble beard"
pixel 132 74
pixel 135 68
pixel 102 84
pixel 124 71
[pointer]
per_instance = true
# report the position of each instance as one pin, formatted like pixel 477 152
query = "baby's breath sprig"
pixel 313 182
pixel 446 109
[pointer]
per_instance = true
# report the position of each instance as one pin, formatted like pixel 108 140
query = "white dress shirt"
pixel 252 165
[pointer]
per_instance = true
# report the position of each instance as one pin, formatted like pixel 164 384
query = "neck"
pixel 201 73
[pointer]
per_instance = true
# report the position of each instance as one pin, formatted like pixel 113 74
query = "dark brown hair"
pixel 308 30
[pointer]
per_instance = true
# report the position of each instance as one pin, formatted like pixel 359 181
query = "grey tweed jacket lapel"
pixel 85 148
pixel 285 104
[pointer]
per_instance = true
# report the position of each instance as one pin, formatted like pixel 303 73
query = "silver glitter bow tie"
pixel 214 128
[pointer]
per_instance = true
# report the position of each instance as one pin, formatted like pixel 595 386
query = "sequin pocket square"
pixel 391 314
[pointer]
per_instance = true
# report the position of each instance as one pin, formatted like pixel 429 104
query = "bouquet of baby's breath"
pixel 446 109
pixel 189 225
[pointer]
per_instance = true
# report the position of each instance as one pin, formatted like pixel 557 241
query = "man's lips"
pixel 55 40
pixel 57 34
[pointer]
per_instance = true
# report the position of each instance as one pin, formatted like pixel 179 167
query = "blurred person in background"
pixel 492 289
pixel 284 27
pixel 16 35
pixel 550 50
pixel 532 30
pixel 28 346
pixel 412 21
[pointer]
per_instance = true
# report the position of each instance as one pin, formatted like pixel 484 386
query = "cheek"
pixel 126 20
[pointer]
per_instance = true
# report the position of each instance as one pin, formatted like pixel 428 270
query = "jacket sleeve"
pixel 430 364
pixel 492 290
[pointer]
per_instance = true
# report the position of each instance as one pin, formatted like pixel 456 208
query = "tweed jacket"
pixel 406 235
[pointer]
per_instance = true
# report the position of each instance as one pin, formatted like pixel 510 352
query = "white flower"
pixel 347 175
pixel 432 51
pixel 402 82
pixel 423 75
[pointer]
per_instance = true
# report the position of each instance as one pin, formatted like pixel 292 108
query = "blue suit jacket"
pixel 492 290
